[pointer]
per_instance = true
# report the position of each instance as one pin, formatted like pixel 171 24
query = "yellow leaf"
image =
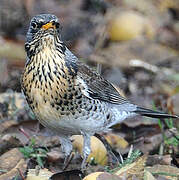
pixel 129 25
pixel 43 174
pixel 92 176
pixel 98 150
pixel 116 141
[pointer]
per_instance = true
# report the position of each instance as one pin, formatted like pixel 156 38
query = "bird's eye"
pixel 34 25
pixel 57 25
pixel 27 47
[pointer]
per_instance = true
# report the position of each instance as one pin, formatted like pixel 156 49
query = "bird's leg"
pixel 86 148
pixel 66 147
pixel 67 161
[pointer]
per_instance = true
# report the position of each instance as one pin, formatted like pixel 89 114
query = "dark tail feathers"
pixel 153 114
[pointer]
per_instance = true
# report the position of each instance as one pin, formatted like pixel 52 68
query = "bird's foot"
pixel 66 147
pixel 83 164
pixel 67 161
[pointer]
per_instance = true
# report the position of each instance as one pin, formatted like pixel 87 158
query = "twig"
pixel 24 133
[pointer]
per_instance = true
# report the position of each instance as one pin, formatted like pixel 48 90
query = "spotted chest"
pixel 47 82
pixel 58 96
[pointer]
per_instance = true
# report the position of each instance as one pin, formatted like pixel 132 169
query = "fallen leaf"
pixel 7 124
pixel 158 159
pixel 164 170
pixel 98 150
pixel 7 142
pixel 136 168
pixel 128 25
pixel 101 176
pixel 42 174
pixel 92 176
pixel 21 165
pixel 10 158
pixel 116 141
pixel 148 176
pixel 10 162
pixel 53 156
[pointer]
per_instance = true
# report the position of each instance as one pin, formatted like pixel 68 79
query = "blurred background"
pixel 132 43
pixel 136 41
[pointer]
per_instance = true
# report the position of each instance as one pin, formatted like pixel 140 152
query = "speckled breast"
pixel 58 102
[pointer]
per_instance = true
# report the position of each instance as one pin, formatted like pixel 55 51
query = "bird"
pixel 65 94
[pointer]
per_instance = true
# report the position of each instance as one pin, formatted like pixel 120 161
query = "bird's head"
pixel 44 31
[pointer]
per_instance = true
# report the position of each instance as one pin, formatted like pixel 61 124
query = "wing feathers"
pixel 98 87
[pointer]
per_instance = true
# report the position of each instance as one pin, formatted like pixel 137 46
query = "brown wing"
pixel 98 87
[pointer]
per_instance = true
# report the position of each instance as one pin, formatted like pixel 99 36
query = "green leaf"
pixel 32 141
pixel 26 151
pixel 172 141
pixel 40 161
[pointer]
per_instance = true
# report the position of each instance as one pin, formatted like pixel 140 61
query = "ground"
pixel 135 45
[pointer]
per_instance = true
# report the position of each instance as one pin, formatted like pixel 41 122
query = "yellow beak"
pixel 48 25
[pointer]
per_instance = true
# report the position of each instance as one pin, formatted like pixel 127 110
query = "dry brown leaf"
pixel 148 176
pixel 9 159
pixel 101 176
pixel 10 162
pixel 150 142
pixel 53 156
pixel 7 142
pixel 7 124
pixel 21 165
pixel 164 170
pixel 136 168
pixel 159 159
pixel 107 176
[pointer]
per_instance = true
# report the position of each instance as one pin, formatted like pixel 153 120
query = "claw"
pixel 67 161
pixel 83 164
pixel 66 147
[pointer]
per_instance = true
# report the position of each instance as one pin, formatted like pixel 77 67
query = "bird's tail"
pixel 153 114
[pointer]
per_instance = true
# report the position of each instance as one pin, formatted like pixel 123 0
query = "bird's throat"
pixel 46 72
